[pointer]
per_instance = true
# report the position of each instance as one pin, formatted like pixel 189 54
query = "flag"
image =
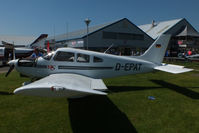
pixel 48 46
pixel 180 42
pixel 158 45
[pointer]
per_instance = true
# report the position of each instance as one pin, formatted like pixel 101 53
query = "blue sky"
pixel 33 17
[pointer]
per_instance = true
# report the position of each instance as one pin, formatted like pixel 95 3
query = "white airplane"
pixel 21 51
pixel 75 73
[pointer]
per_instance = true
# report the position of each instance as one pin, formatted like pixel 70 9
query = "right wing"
pixel 63 85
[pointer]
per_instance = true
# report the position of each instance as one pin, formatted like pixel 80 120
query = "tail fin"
pixel 39 42
pixel 8 45
pixel 156 51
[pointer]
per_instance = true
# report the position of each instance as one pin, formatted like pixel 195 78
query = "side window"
pixel 83 58
pixel 64 56
pixel 97 59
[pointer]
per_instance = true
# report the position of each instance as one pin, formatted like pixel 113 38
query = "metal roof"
pixel 79 33
pixel 189 31
pixel 159 27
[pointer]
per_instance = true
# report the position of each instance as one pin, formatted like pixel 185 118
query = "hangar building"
pixel 184 36
pixel 122 35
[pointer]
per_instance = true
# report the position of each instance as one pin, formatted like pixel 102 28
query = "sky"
pixel 34 17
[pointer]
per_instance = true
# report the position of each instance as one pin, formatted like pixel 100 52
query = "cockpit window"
pixel 97 59
pixel 83 58
pixel 48 56
pixel 64 56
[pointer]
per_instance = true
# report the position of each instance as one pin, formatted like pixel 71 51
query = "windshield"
pixel 48 56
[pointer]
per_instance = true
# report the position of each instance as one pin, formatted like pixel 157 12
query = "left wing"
pixel 63 85
pixel 175 69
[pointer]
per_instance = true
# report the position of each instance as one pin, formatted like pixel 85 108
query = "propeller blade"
pixel 10 70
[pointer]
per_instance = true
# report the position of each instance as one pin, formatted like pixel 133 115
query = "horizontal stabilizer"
pixel 175 69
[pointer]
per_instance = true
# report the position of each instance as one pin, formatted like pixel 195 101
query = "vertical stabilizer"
pixel 39 42
pixel 156 51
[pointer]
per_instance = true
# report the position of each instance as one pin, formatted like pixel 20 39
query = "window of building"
pixel 122 36
pixel 64 56
pixel 97 59
pixel 109 35
pixel 125 36
pixel 83 58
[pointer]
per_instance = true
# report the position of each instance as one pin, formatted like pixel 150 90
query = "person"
pixel 167 54
pixel 189 52
pixel 132 53
pixel 36 54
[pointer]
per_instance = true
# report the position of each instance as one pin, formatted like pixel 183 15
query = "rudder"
pixel 156 51
pixel 39 42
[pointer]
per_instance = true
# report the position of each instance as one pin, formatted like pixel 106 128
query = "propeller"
pixel 11 64
pixel 10 69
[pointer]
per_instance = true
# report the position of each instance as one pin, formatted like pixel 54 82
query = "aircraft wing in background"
pixel 8 45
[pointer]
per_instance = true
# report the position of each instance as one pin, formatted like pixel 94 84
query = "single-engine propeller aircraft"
pixel 75 73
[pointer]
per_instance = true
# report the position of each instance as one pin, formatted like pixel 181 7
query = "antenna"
pixel 54 31
pixel 66 30
pixel 14 56
pixel 13 52
pixel 108 48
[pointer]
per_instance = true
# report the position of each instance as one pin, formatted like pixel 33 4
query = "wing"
pixel 63 85
pixel 175 69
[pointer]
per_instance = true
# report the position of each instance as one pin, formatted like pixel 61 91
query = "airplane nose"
pixel 12 62
pixel 17 91
pixel 12 65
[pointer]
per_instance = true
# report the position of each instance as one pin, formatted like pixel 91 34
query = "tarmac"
pixel 4 69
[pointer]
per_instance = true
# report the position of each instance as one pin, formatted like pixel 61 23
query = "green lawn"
pixel 126 109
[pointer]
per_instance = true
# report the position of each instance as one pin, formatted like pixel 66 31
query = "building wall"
pixel 97 40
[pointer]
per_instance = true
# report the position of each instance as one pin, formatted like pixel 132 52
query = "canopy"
pixel 189 31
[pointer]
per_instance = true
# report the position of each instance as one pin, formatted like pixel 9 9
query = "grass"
pixel 126 109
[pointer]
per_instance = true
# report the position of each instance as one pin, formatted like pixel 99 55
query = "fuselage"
pixel 23 52
pixel 82 62
pixel 2 53
pixel 19 53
